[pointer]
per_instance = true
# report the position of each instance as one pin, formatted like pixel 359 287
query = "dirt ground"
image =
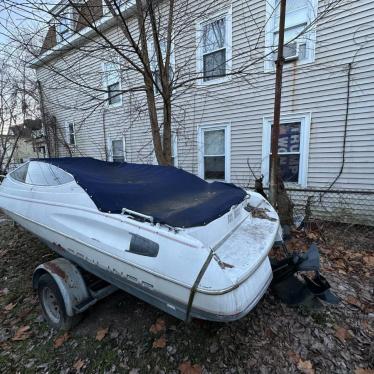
pixel 121 334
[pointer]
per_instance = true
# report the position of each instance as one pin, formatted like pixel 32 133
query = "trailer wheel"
pixel 53 305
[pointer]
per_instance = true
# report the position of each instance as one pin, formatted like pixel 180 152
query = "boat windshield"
pixel 41 174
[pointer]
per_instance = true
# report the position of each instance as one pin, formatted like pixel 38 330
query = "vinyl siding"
pixel 319 88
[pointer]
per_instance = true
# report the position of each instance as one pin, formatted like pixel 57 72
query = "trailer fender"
pixel 69 280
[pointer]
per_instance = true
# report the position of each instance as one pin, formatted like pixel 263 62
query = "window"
pixel 155 66
pixel 117 150
pixel 70 133
pixel 41 150
pixel 112 83
pixel 65 23
pixel 299 44
pixel 214 48
pixel 293 148
pixel 42 174
pixel 174 150
pixel 113 96
pixel 20 173
pixel 122 4
pixel 214 144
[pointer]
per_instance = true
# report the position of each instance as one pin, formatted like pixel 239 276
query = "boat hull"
pixel 228 305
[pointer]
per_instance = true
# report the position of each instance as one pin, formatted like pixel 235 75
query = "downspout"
pixel 345 124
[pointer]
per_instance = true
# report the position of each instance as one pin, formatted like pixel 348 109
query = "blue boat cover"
pixel 171 196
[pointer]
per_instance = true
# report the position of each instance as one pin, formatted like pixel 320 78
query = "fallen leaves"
pixel 353 301
pixel 79 364
pixel 9 307
pixel 4 291
pixel 58 342
pixel 101 333
pixel 159 326
pixel 369 260
pixel 364 371
pixel 22 333
pixel 343 334
pixel 159 343
pixel 305 366
pixel 187 368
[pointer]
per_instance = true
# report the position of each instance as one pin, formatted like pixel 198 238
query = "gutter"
pixel 77 39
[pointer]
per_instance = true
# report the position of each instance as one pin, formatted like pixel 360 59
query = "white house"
pixel 223 120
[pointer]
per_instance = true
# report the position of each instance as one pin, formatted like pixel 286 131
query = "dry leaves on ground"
pixel 343 334
pixel 10 306
pixel 78 365
pixel 159 326
pixel 364 371
pixel 22 333
pixel 305 367
pixel 58 342
pixel 4 291
pixel 187 368
pixel 369 260
pixel 353 301
pixel 101 333
pixel 159 343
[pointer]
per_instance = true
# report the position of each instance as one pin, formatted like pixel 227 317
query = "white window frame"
pixel 174 148
pixel 305 121
pixel 110 147
pixel 227 14
pixel 154 63
pixel 69 15
pixel 200 141
pixel 271 28
pixel 123 7
pixel 68 134
pixel 110 79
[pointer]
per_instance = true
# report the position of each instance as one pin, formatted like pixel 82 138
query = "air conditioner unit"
pixel 291 51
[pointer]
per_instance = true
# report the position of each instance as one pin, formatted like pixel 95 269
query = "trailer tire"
pixel 53 305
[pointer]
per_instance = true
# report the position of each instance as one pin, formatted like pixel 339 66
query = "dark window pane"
pixel 71 134
pixel 117 151
pixel 157 79
pixel 214 65
pixel 289 137
pixel 289 167
pixel 214 167
pixel 114 96
pixel 118 159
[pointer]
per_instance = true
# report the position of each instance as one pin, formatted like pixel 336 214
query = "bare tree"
pixel 144 51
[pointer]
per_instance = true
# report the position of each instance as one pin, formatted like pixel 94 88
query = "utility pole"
pixel 274 172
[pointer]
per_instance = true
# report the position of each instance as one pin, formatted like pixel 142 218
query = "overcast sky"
pixel 21 13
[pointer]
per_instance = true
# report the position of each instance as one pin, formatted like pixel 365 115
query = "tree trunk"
pixel 274 172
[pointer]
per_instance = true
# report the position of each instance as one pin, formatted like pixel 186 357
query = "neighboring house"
pixel 23 151
pixel 224 121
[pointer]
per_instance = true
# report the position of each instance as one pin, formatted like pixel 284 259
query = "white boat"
pixel 191 248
